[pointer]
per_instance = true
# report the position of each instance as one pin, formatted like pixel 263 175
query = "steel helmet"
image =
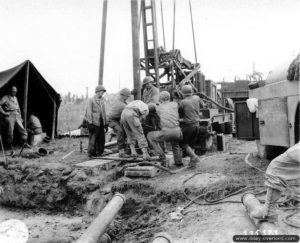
pixel 148 79
pixel 164 96
pixel 186 90
pixel 100 88
pixel 14 88
pixel 125 92
pixel 152 107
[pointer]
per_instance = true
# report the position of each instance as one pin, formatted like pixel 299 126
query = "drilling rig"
pixel 171 71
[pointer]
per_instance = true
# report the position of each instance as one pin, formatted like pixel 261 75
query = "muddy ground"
pixel 151 203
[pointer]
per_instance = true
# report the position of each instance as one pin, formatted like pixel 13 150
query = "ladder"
pixel 151 60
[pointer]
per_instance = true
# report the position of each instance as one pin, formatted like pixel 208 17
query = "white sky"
pixel 62 38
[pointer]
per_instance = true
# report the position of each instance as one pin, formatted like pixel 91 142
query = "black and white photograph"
pixel 149 121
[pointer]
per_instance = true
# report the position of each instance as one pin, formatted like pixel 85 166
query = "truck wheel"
pixel 221 128
pixel 228 127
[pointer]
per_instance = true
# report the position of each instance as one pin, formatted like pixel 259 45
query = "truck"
pixel 278 109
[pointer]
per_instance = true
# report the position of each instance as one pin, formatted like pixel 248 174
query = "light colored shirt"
pixel 168 113
pixel 151 95
pixel 116 110
pixel 9 103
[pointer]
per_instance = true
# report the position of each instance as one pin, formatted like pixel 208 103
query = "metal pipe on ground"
pixel 67 239
pixel 252 204
pixel 99 225
pixel 162 237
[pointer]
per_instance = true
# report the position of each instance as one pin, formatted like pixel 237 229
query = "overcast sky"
pixel 62 38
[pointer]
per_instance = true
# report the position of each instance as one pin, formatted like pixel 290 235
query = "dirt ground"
pixel 151 203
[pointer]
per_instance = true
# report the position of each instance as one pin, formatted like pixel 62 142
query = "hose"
pixel 216 103
pixel 244 189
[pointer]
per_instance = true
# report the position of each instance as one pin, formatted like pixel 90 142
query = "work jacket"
pixel 151 95
pixel 95 111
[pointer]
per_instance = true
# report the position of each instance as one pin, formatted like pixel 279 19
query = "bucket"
pixel 172 134
pixel 42 152
pixel 221 143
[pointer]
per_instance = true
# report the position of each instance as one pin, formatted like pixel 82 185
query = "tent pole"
pixel 53 121
pixel 25 101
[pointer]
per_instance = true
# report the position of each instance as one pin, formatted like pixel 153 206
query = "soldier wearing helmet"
pixel 169 120
pixel 9 107
pixel 150 92
pixel 114 119
pixel 189 110
pixel 96 119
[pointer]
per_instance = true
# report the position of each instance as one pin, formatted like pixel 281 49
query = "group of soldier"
pixel 148 123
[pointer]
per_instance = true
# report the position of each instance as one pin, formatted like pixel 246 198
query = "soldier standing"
pixel 9 107
pixel 97 122
pixel 150 92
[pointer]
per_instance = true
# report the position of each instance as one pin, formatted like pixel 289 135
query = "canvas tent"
pixel 34 94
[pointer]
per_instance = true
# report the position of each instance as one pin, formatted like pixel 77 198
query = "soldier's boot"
pixel 267 211
pixel 163 160
pixel 194 158
pixel 177 156
pixel 133 151
pixel 122 154
pixel 146 156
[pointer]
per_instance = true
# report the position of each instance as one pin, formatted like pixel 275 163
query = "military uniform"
pixel 150 95
pixel 283 168
pixel 114 120
pixel 169 119
pixel 189 110
pixel 96 117
pixel 131 121
pixel 9 107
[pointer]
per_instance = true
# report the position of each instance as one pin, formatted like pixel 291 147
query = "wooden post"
pixel 155 39
pixel 54 120
pixel 136 48
pixel 102 48
pixel 25 100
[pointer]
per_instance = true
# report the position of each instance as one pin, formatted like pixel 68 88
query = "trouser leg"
pixel 194 158
pixel 177 153
pixel 120 133
pixel 92 140
pixel 155 139
pixel 100 139
pixel 280 170
pixel 21 130
pixel 10 121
